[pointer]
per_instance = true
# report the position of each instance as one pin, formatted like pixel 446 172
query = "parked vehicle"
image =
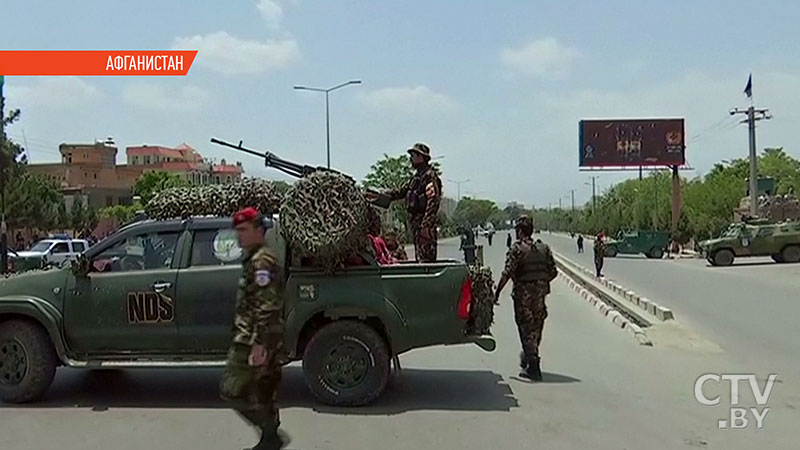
pixel 50 251
pixel 652 244
pixel 162 293
pixel 780 241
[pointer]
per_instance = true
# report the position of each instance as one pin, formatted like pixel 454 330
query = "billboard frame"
pixel 626 167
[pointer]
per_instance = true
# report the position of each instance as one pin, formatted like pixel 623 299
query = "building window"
pixel 95 176
pixel 109 201
pixel 69 158
pixel 147 160
pixel 228 179
pixel 216 179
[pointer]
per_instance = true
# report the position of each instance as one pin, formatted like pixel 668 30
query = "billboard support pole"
pixel 676 200
pixel 640 173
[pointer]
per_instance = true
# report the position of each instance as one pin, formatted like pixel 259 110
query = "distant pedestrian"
pixel 490 236
pixel 599 254
pixel 508 241
pixel 580 243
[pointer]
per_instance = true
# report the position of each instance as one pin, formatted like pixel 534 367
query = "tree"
pixel 78 213
pixel 474 212
pixel 62 216
pixel 151 183
pixel 91 218
pixel 119 213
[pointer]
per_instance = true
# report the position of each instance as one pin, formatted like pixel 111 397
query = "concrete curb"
pixel 610 313
pixel 644 303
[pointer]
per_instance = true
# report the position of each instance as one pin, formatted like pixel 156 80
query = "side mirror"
pixel 80 267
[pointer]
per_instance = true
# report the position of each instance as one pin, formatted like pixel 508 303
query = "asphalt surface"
pixel 750 309
pixel 601 390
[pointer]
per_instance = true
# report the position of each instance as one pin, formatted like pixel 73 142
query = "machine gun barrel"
pixel 294 169
pixel 272 160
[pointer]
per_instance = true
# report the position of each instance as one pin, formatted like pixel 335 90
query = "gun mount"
pixel 295 169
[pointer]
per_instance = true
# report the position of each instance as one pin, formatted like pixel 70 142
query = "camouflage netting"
pixel 324 216
pixel 776 208
pixel 214 200
pixel 482 309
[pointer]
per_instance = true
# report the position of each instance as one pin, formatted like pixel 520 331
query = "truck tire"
pixel 791 254
pixel 777 258
pixel 27 361
pixel 723 257
pixel 346 363
pixel 656 253
pixel 611 251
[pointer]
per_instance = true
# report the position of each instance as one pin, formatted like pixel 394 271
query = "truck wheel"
pixel 723 257
pixel 777 258
pixel 791 254
pixel 346 363
pixel 656 253
pixel 611 251
pixel 27 361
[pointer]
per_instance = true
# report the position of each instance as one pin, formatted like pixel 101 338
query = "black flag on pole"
pixel 748 90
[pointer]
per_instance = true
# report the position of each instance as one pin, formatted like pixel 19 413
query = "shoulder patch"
pixel 263 277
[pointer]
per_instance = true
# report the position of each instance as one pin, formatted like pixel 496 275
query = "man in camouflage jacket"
pixel 253 369
pixel 422 195
pixel 530 265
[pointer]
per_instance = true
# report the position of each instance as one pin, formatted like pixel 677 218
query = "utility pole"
pixel 458 183
pixel 594 195
pixel 559 203
pixel 753 115
pixel 3 230
pixel 572 192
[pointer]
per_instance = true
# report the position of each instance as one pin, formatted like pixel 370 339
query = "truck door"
pixel 207 288
pixel 127 302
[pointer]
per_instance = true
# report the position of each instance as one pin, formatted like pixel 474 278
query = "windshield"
pixel 731 232
pixel 41 246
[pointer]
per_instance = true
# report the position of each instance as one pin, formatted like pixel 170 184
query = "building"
pixel 90 171
pixel 184 160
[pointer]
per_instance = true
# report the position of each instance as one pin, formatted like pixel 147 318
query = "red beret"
pixel 248 214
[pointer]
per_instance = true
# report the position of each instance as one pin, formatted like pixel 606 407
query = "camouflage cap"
pixel 420 149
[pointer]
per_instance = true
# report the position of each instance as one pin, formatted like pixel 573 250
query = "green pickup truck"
pixel 161 294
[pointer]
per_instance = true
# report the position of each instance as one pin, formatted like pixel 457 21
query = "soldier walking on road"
pixel 599 254
pixel 530 265
pixel 580 243
pixel 508 241
pixel 253 369
pixel 422 194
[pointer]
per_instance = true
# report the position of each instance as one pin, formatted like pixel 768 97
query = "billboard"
pixel 631 143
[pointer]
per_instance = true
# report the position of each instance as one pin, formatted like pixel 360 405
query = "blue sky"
pixel 497 88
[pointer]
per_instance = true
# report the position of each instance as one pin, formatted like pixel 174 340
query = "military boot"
pixel 272 439
pixel 533 371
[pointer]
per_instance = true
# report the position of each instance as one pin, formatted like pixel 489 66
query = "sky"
pixel 496 89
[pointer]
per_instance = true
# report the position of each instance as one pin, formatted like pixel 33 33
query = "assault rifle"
pixel 295 169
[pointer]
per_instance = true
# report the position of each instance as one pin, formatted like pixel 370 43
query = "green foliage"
pixel 474 212
pixel 708 202
pixel 78 213
pixel 151 183
pixel 119 213
pixel 91 218
pixel 62 217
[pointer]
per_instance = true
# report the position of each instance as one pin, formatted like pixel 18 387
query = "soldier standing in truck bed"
pixel 422 195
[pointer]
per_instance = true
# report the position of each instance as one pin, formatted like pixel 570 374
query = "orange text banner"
pixel 96 62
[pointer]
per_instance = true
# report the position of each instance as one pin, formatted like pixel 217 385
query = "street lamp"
pixel 327 109
pixel 459 183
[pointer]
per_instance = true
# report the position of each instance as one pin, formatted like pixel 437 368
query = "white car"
pixel 55 251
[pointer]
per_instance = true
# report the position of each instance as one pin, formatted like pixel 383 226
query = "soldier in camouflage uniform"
pixel 423 195
pixel 599 254
pixel 253 369
pixel 531 267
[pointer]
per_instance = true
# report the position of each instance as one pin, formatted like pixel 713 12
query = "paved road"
pixel 750 309
pixel 601 391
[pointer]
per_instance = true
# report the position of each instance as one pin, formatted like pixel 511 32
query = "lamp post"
pixel 327 109
pixel 458 183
